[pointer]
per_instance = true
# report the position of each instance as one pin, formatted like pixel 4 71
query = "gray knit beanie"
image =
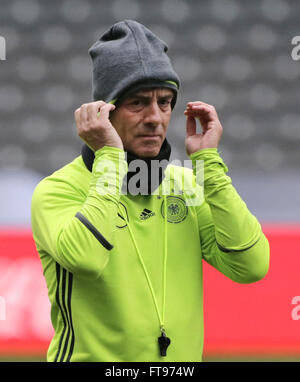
pixel 128 57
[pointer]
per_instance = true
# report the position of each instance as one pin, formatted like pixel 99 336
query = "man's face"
pixel 142 119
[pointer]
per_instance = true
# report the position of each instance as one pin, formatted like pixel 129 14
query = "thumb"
pixel 191 126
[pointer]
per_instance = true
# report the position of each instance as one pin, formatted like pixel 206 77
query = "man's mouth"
pixel 149 136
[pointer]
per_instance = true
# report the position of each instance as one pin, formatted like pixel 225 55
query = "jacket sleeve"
pixel 231 237
pixel 77 230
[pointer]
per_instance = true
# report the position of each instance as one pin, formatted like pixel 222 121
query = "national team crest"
pixel 177 209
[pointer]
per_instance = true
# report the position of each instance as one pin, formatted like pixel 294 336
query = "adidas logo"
pixel 146 214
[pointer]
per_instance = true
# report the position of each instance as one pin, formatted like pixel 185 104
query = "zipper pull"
pixel 163 342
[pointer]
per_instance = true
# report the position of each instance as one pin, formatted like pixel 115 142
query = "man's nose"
pixel 153 115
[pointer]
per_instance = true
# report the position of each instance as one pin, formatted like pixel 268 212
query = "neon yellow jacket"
pixel 102 253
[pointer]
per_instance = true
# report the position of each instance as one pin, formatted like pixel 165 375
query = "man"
pixel 124 269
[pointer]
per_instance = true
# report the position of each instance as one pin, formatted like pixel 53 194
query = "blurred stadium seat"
pixel 235 55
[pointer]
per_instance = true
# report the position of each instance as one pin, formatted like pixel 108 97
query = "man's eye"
pixel 165 102
pixel 136 102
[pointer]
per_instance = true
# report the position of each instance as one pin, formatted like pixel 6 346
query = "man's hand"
pixel 94 126
pixel 211 127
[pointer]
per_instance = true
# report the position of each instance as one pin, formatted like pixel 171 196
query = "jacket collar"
pixel 164 154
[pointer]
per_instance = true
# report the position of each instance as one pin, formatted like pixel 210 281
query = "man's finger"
pixel 103 113
pixel 77 117
pixel 98 104
pixel 196 108
pixel 191 126
pixel 200 111
pixel 83 114
pixel 92 110
pixel 196 103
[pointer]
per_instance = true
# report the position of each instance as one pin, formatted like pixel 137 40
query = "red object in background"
pixel 25 328
pixel 255 319
pixel 258 318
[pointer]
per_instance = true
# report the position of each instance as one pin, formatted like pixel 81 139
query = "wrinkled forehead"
pixel 151 93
